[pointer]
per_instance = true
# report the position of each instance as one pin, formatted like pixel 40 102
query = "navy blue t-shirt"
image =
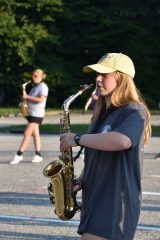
pixel 111 196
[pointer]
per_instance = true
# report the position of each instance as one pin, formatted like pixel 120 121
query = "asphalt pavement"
pixel 25 210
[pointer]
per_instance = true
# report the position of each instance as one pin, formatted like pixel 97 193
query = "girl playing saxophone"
pixel 36 99
pixel 114 147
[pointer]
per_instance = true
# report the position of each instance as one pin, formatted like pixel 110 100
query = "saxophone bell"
pixel 53 168
pixel 65 208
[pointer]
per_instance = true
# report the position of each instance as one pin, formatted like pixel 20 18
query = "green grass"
pixel 155 130
pixel 6 112
pixel 55 129
pixel 9 111
pixel 45 128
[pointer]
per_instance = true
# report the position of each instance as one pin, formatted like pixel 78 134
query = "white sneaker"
pixel 17 159
pixel 37 159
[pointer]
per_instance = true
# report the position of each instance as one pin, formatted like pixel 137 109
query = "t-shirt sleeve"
pixel 133 123
pixel 43 91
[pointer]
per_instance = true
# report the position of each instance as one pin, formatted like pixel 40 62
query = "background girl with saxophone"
pixel 111 179
pixel 36 104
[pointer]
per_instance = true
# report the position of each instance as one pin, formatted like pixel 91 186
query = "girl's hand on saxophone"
pixel 78 183
pixel 33 99
pixel 25 95
pixel 67 140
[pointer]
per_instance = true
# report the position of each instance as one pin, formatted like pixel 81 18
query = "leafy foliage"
pixel 63 36
pixel 24 26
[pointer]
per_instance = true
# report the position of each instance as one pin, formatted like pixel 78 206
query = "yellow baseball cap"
pixel 112 62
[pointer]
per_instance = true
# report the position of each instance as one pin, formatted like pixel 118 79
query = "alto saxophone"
pixel 23 104
pixel 61 171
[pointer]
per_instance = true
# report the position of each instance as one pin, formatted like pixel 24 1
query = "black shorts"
pixel 32 119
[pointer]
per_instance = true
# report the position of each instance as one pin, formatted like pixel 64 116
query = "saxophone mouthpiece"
pixel 86 86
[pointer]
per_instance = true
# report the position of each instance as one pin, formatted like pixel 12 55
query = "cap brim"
pixel 98 68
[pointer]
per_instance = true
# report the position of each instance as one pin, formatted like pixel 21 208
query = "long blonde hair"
pixel 124 94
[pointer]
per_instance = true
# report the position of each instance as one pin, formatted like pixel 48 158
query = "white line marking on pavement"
pixel 147 227
pixel 155 176
pixel 36 219
pixel 151 193
pixel 69 222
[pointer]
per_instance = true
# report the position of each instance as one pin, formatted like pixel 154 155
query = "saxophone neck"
pixel 25 84
pixel 69 100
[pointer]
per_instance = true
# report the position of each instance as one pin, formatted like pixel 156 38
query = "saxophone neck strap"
pixel 78 154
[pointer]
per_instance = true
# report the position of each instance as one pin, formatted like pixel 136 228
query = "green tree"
pixel 92 28
pixel 24 25
pixel 62 36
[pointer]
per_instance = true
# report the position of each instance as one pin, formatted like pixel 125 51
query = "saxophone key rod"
pixel 69 100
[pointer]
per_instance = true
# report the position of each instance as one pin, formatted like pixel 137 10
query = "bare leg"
pixel 87 236
pixel 27 136
pixel 36 138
